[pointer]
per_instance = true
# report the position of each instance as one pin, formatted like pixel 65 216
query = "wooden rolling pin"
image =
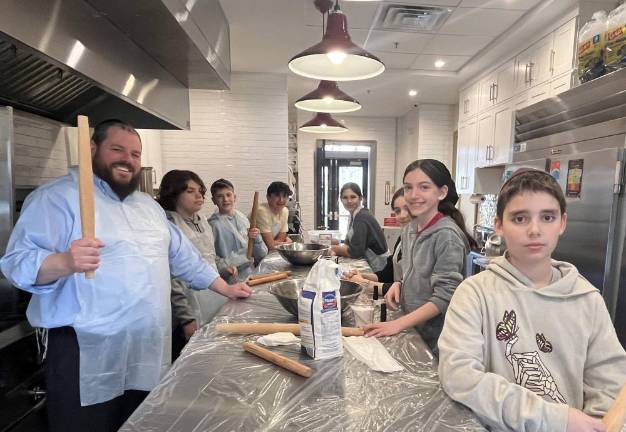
pixel 255 207
pixel 278 359
pixel 85 184
pixel 266 279
pixel 616 415
pixel 263 275
pixel 269 328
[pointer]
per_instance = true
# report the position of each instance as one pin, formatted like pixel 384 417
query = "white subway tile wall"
pixel 40 149
pixel 240 135
pixel 381 130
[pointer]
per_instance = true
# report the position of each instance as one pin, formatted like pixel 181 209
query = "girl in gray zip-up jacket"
pixel 434 245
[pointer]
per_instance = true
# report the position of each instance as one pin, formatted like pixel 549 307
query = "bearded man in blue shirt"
pixel 108 337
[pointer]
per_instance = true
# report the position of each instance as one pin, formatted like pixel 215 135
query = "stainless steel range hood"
pixel 133 60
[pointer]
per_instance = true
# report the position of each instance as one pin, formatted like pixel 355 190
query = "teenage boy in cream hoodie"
pixel 528 344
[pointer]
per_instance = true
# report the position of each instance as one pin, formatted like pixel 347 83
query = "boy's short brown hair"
pixel 529 181
pixel 221 184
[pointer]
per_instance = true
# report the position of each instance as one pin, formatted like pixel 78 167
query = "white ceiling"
pixel 265 34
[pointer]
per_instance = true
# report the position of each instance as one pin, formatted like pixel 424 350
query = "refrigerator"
pixel 580 138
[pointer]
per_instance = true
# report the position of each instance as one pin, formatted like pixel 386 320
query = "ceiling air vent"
pixel 398 17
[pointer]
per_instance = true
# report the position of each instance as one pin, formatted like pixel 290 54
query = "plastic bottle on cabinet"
pixel 591 46
pixel 615 49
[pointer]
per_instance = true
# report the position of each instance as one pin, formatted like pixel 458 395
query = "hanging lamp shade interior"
pixel 323 123
pixel 336 57
pixel 327 97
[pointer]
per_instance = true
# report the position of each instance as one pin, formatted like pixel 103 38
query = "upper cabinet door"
pixel 564 46
pixel 541 60
pixel 505 81
pixel 503 133
pixel 522 70
pixel 484 146
pixel 487 90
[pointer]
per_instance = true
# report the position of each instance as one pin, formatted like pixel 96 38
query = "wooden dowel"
pixel 85 183
pixel 266 279
pixel 616 415
pixel 255 207
pixel 278 359
pixel 269 328
pixel 263 275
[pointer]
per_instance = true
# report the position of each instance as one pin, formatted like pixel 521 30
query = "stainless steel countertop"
pixel 216 386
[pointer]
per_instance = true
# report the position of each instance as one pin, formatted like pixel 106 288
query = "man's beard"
pixel 106 173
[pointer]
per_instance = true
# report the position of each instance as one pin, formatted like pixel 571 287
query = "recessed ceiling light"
pixel 412 92
pixel 440 63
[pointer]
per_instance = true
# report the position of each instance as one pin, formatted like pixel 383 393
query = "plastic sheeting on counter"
pixel 216 386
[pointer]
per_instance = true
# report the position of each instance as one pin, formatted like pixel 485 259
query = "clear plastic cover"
pixel 216 386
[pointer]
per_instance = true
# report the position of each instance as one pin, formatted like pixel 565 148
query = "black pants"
pixel 63 393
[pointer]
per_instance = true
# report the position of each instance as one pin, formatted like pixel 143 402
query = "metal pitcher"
pixel 495 245
pixel 147 180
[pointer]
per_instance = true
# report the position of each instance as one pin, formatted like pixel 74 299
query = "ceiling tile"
pixel 359 14
pixel 426 2
pixel 456 45
pixel 501 4
pixel 394 60
pixel 474 21
pixel 427 62
pixel 407 42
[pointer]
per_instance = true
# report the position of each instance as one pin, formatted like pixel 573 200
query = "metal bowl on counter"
pixel 302 253
pixel 287 293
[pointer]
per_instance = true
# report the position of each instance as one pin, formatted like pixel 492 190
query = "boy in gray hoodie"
pixel 528 344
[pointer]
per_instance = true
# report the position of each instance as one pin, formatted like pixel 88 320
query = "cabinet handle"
pixel 526 74
pixel 467 110
pixel 487 153
pixel 552 52
pixel 531 66
pixel 493 153
pixel 495 91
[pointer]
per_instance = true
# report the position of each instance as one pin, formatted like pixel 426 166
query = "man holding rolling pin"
pixel 108 338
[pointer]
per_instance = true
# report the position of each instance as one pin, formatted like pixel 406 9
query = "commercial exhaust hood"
pixel 133 60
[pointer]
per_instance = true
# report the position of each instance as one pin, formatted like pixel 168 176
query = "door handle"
pixel 526 74
pixel 552 52
pixel 387 193
pixel 490 92
pixel 495 91
pixel 531 66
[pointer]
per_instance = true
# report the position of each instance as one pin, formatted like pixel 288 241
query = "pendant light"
pixel 336 57
pixel 323 123
pixel 327 97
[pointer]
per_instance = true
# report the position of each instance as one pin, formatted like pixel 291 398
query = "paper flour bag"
pixel 319 312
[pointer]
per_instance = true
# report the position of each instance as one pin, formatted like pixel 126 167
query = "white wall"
pixel 40 151
pixel 425 132
pixel 240 135
pixel 381 130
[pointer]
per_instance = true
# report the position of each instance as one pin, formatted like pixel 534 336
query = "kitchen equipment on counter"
pixel 495 245
pixel 278 359
pixel 481 233
pixel 302 253
pixel 269 328
pixel 287 293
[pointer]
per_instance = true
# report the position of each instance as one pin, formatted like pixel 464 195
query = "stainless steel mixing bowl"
pixel 302 253
pixel 287 293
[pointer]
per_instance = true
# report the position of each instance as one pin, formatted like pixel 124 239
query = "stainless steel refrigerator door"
pixel 7 199
pixel 586 237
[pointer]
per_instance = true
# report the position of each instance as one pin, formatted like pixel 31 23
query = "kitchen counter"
pixel 216 386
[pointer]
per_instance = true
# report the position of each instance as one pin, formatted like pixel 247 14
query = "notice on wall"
pixel 574 178
pixel 555 169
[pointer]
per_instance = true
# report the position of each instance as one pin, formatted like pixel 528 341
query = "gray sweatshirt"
pixel 518 355
pixel 433 264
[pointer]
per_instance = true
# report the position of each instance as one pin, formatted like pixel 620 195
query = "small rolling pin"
pixel 266 279
pixel 616 415
pixel 264 275
pixel 278 359
pixel 85 184
pixel 255 207
pixel 269 328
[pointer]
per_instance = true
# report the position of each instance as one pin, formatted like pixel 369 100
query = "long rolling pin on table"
pixel 269 328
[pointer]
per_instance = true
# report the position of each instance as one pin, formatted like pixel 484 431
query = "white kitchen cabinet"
pixel 560 84
pixel 563 48
pixel 539 93
pixel 522 70
pixel 484 145
pixel 468 102
pixel 541 60
pixel 503 133
pixel 504 82
pixel 466 157
pixel 486 95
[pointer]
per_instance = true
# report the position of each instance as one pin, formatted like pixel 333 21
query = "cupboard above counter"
pixel 487 107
